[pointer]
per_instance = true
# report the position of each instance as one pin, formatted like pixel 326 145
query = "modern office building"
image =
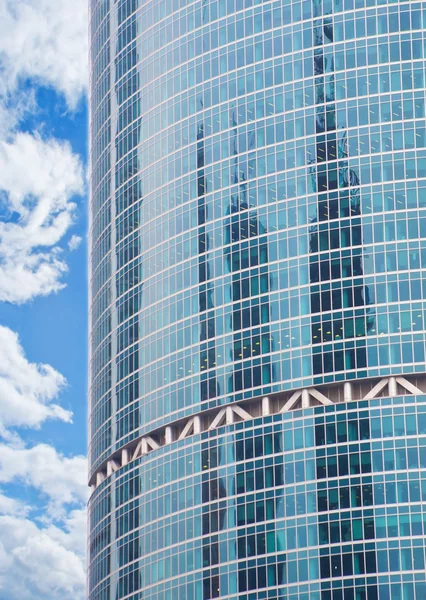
pixel 258 287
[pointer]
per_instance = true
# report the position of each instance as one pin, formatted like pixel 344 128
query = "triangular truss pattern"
pixel 408 386
pixel 226 416
pixel 193 426
pixel 291 401
pixel 391 383
pixel 304 397
pixel 112 467
pixel 261 406
pixel 144 446
pixel 319 396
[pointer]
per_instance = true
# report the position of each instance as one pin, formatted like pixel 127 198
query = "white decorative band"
pixel 365 389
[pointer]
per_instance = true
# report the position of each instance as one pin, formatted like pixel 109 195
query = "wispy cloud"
pixel 45 41
pixel 60 479
pixel 42 42
pixel 39 179
pixel 74 242
pixel 28 391
pixel 12 506
pixel 42 547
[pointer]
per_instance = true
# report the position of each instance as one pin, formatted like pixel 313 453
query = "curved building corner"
pixel 257 315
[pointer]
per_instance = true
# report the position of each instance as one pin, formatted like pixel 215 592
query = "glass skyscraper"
pixel 258 289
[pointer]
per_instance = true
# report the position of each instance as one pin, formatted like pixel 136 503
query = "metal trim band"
pixel 273 404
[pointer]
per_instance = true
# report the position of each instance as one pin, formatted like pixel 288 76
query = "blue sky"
pixel 53 329
pixel 43 299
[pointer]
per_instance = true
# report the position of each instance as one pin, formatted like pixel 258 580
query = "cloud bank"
pixel 62 480
pixel 42 546
pixel 43 493
pixel 42 563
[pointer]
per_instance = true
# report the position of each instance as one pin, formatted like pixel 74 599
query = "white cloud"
pixel 72 533
pixel 27 390
pixel 42 547
pixel 74 242
pixel 61 479
pixel 43 556
pixel 14 108
pixel 11 506
pixel 39 179
pixel 44 40
pixel 40 563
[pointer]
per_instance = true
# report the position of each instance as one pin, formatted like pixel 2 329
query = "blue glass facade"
pixel 258 228
pixel 326 503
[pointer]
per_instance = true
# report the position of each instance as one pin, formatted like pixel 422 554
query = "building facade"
pixel 257 317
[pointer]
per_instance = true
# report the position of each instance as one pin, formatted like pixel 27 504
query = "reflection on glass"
pixel 339 296
pixel 208 380
pixel 333 258
pixel 246 249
